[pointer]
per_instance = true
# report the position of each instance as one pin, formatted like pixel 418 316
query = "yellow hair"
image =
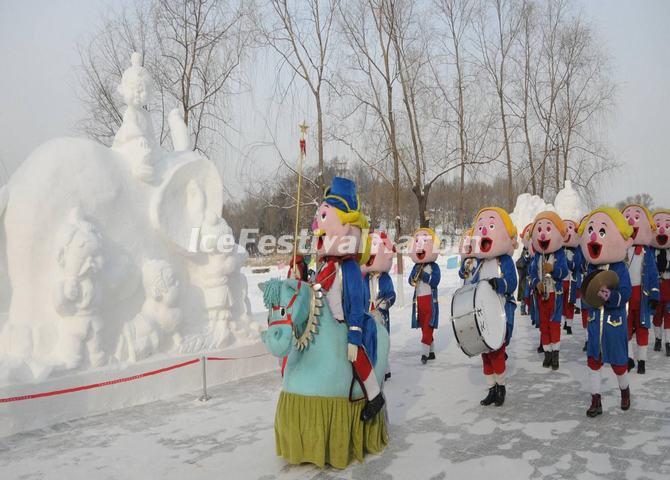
pixel 507 220
pixel 358 219
pixel 661 210
pixel 617 217
pixel 554 218
pixel 431 232
pixel 646 211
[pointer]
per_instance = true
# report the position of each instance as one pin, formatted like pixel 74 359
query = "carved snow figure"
pixel 135 138
pixel 77 296
pixel 155 328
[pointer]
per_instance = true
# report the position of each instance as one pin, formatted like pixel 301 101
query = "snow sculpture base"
pixel 42 412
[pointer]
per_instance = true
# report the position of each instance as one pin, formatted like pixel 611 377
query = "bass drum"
pixel 478 318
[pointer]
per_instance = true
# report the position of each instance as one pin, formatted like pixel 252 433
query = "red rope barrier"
pixel 238 358
pixel 98 385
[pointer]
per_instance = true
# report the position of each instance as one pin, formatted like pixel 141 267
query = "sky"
pixel 38 99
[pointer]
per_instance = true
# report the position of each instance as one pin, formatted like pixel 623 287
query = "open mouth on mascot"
pixel 635 230
pixel 420 254
pixel 595 249
pixel 486 244
pixel 371 261
pixel 544 244
pixel 662 239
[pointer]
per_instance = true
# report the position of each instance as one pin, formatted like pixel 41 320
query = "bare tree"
pixel 495 47
pixel 300 32
pixel 193 49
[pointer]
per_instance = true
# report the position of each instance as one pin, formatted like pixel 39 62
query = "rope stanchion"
pixel 204 397
pixel 100 384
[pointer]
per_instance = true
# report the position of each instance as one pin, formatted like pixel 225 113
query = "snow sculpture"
pixel 77 295
pixel 112 254
pixel 156 327
pixel 135 138
pixel 569 204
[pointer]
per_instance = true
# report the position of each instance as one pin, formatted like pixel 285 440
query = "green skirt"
pixel 326 430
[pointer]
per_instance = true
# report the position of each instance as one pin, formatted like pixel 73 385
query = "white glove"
pixel 352 352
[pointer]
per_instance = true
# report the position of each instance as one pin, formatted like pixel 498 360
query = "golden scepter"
pixel 303 151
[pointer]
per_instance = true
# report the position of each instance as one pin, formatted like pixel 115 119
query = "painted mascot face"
pixel 382 251
pixel 661 239
pixel 493 239
pixel 424 248
pixel 525 236
pixel 572 235
pixel 333 237
pixel 642 228
pixel 602 242
pixel 546 236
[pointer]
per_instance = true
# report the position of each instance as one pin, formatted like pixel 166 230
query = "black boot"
pixel 554 360
pixel 500 395
pixel 491 397
pixel 640 367
pixel 584 347
pixel 657 345
pixel 596 407
pixel 431 356
pixel 372 407
pixel 568 330
pixel 424 359
pixel 625 398
pixel 667 349
pixel 387 376
pixel 540 349
pixel 631 364
pixel 547 359
pixel 578 311
pixel 565 327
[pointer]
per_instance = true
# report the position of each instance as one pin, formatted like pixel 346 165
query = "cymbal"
pixel 594 281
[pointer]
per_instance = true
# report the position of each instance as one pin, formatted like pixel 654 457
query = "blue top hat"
pixel 342 195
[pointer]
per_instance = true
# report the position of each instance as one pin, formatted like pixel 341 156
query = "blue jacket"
pixel 362 327
pixel 557 274
pixel 575 259
pixel 609 339
pixel 506 287
pixel 433 280
pixel 386 294
pixel 650 286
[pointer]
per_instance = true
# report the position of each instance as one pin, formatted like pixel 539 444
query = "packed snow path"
pixel 438 429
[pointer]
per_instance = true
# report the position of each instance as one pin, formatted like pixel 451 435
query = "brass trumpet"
pixel 547 282
pixel 417 276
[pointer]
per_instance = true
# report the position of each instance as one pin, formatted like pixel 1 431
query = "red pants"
pixel 494 362
pixel 362 365
pixel 550 332
pixel 424 307
pixel 641 333
pixel 596 364
pixel 585 317
pixel 662 316
pixel 568 308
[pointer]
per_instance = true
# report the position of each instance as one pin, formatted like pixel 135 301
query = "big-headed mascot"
pixel 495 236
pixel 547 271
pixel 338 227
pixel 380 294
pixel 643 272
pixel 661 242
pixel 605 239
pixel 425 277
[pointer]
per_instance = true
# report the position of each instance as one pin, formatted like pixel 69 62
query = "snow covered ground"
pixel 438 429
